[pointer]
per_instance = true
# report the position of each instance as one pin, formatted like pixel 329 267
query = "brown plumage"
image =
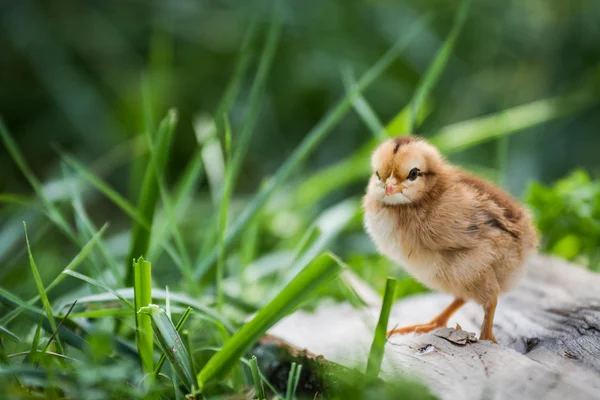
pixel 451 230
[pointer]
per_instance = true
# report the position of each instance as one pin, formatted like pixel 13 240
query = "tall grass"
pixel 315 136
pixel 140 237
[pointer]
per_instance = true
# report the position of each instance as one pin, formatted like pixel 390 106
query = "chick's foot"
pixel 438 322
pixel 420 328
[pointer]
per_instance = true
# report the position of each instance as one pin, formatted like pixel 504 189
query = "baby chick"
pixel 452 231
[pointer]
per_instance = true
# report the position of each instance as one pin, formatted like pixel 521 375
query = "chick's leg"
pixel 440 321
pixel 488 321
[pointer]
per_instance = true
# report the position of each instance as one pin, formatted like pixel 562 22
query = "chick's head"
pixel 406 170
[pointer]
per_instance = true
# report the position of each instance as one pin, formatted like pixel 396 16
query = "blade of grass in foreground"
pixel 314 137
pixel 72 331
pixel 178 328
pixel 377 347
pixel 140 236
pixel 202 310
pixel 75 262
pixel 170 343
pixel 300 288
pixel 259 387
pixel 437 66
pixel 293 380
pixel 143 297
pixel 99 285
pixel 42 291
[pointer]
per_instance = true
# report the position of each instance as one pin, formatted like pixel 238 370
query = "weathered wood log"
pixel 548 331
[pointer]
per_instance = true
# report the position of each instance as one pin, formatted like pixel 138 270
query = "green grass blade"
pixel 99 285
pixel 143 297
pixel 296 381
pixel 53 213
pixel 306 282
pixel 436 68
pixel 141 223
pixel 11 198
pixel 87 228
pixel 158 294
pixel 401 124
pixel 41 290
pixel 178 328
pixel 263 379
pixel 259 387
pixel 293 379
pixel 379 339
pixel 8 334
pixel 187 341
pixel 338 175
pixel 159 166
pixel 346 285
pixel 11 298
pixel 308 145
pixel 184 187
pixel 449 139
pixel 224 208
pixel 45 349
pixel 241 66
pixel 189 180
pixel 170 343
pixel 103 313
pixel 466 134
pixel 256 91
pixel 80 257
pixel 362 107
pixel 32 356
pixel 71 330
pixel 75 262
pixel 106 190
pixel 140 237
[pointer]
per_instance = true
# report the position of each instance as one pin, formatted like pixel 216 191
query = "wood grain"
pixel 548 330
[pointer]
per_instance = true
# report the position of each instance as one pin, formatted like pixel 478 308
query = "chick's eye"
pixel 377 174
pixel 413 174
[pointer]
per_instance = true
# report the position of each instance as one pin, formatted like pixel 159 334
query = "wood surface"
pixel 548 331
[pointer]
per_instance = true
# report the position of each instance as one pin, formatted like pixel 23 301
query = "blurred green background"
pixel 70 74
pixel 515 98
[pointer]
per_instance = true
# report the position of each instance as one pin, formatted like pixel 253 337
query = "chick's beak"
pixel 393 189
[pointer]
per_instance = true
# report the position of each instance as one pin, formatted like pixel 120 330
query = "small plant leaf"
pixel 170 343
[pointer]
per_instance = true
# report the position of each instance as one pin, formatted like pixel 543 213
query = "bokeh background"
pixel 515 98
pixel 73 73
pixel 70 75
